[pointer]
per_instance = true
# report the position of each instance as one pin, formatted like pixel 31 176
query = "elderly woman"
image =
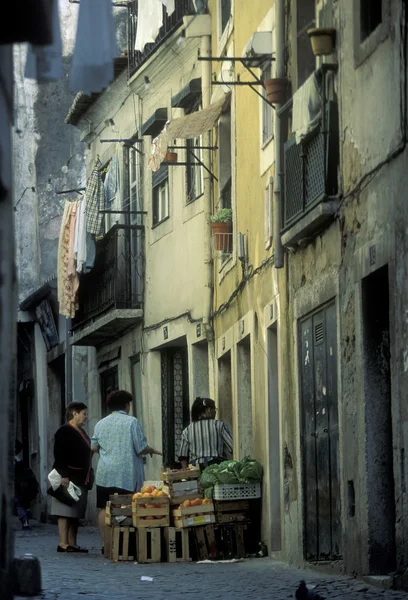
pixel 73 461
pixel 121 444
pixel 205 441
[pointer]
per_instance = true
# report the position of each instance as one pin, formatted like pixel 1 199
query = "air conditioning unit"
pixel 260 44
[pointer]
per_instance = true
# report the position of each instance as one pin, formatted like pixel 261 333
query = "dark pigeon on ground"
pixel 302 593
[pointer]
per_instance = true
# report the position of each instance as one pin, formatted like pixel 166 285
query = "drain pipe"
pixel 277 204
pixel 206 96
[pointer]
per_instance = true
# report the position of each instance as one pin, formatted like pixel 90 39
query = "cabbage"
pixel 209 476
pixel 251 472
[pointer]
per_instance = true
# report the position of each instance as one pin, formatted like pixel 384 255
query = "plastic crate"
pixel 237 491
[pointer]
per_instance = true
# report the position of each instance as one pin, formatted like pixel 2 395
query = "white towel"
pixel 149 21
pixel 306 108
pixel 95 47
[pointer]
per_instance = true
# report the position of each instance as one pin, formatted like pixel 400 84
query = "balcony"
pixel 111 295
pixel 170 24
pixel 310 198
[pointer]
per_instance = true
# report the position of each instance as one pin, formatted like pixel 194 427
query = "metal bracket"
pixel 247 63
pixel 127 142
pixel 77 190
pixel 124 212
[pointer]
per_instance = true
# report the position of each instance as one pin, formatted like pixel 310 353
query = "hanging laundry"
pixel 95 202
pixel 80 236
pixel 149 21
pixel 30 21
pixel 111 182
pixel 68 280
pixel 170 6
pixel 44 63
pixel 95 47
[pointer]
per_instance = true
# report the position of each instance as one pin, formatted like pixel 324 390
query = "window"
pixel 224 157
pixel 305 19
pixel 194 172
pixel 225 10
pixel 160 184
pixel 268 214
pixel 370 17
pixel 109 381
pixel 134 203
pixel 267 110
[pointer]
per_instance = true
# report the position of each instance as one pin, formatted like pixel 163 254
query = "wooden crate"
pixel 177 545
pixel 231 541
pixel 118 516
pixel 204 542
pixel 179 491
pixel 232 512
pixel 193 515
pixel 141 515
pixel 170 476
pixel 149 548
pixel 120 543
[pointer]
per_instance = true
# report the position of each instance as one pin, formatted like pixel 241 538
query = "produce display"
pixel 243 471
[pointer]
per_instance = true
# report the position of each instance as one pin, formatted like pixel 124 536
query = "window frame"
pixel 160 185
pixel 224 33
pixel 364 48
pixel 266 110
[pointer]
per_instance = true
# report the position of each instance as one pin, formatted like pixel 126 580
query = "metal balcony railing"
pixel 116 280
pixel 170 24
pixel 311 168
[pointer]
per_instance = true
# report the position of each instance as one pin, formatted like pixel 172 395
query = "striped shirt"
pixel 205 439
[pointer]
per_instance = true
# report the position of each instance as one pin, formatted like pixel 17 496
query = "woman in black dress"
pixel 73 461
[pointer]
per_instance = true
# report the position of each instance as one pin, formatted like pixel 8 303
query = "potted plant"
pixel 221 225
pixel 322 40
pixel 171 157
pixel 276 89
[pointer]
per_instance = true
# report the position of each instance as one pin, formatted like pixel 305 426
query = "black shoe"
pixel 102 550
pixel 67 549
pixel 78 549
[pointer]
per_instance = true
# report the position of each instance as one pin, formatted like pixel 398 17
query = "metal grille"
pixel 319 333
pixel 314 169
pixel 311 168
pixel 116 280
pixel 178 402
pixel 293 180
pixel 165 408
pixel 170 24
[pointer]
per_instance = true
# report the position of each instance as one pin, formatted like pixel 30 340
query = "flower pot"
pixel 276 90
pixel 222 236
pixel 322 40
pixel 171 157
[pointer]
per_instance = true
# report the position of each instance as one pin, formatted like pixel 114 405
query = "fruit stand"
pixel 172 521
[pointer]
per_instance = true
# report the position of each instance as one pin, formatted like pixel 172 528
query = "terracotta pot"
pixel 276 90
pixel 322 40
pixel 171 157
pixel 222 236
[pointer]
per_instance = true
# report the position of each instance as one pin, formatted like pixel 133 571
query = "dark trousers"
pixel 20 510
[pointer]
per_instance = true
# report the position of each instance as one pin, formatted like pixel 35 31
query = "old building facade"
pixel 294 320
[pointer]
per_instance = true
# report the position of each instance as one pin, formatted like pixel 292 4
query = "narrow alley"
pixel 73 576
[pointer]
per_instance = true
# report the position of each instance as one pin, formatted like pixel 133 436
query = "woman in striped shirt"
pixel 205 441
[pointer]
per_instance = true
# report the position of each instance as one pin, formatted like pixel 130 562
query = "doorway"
pixel 109 381
pixel 378 417
pixel 175 402
pixel 225 390
pixel 244 399
pixel 320 435
pixel 273 433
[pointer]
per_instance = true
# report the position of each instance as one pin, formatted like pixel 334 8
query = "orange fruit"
pixel 188 503
pixel 151 505
pixel 206 501
pixel 161 494
pixel 149 518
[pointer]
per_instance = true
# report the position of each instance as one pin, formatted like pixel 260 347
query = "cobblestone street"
pixel 72 576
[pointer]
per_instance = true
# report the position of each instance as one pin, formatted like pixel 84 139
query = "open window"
pixel 224 158
pixel 305 19
pixel 160 199
pixel 267 110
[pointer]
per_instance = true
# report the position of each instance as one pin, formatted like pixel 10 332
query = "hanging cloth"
pixel 170 6
pixel 95 47
pixel 95 202
pixel 44 63
pixel 80 236
pixel 149 21
pixel 68 281
pixel 111 183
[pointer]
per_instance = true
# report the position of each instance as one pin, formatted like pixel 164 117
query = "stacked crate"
pixel 120 535
pixel 182 485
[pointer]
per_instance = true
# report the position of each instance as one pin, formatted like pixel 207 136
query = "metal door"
pixel 175 402
pixel 322 511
